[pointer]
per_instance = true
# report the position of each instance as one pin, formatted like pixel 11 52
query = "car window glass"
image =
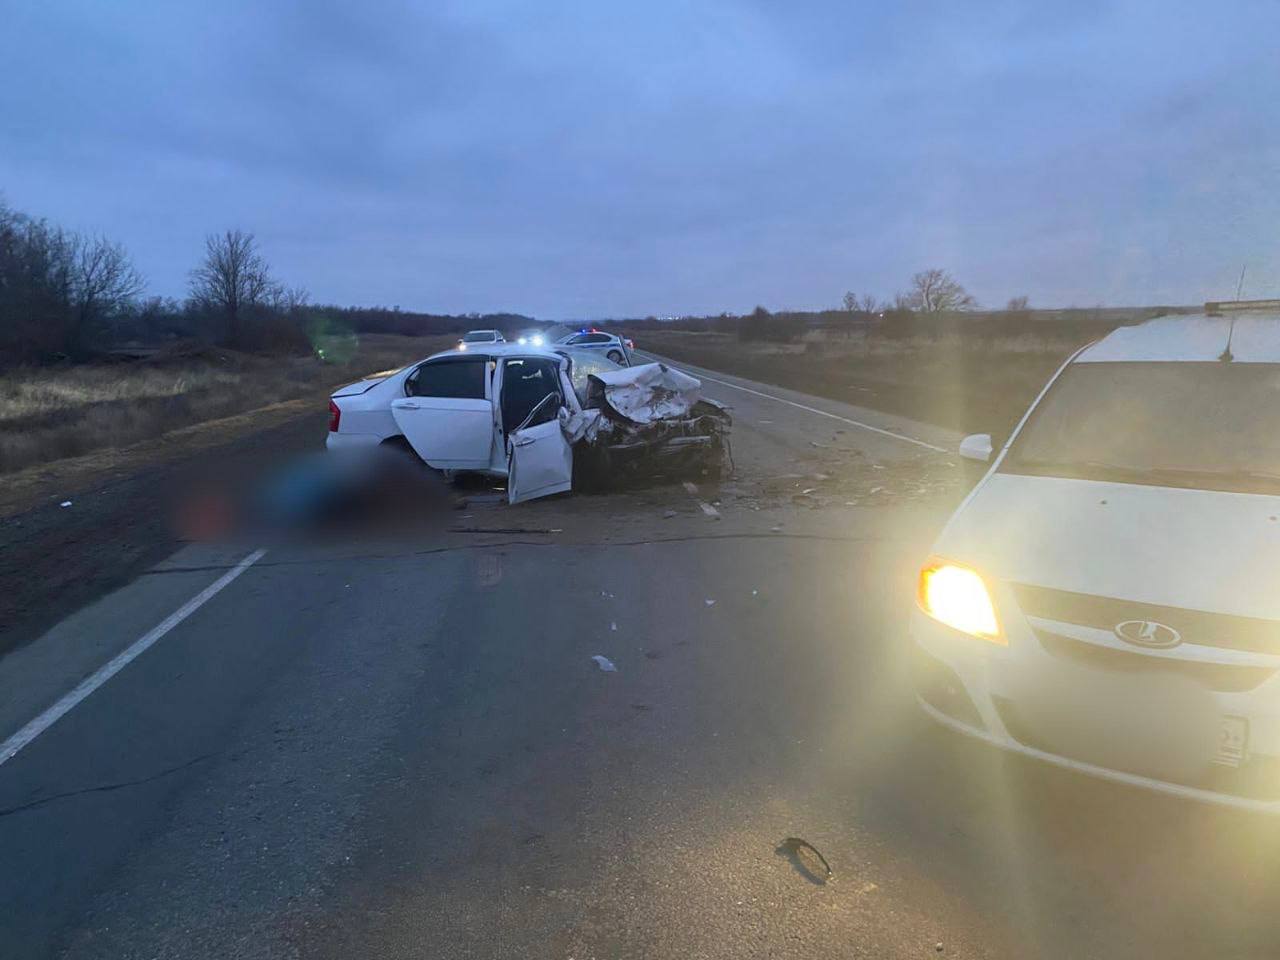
pixel 584 365
pixel 525 381
pixel 459 379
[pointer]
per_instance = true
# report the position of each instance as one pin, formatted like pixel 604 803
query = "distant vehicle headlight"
pixel 537 340
pixel 462 346
pixel 957 596
pixel 522 340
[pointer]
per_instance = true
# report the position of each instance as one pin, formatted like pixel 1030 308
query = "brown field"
pixel 53 413
pixel 971 384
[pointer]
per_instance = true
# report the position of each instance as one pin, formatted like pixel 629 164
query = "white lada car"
pixel 1107 598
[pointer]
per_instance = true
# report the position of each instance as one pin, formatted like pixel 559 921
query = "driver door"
pixel 447 415
pixel 539 459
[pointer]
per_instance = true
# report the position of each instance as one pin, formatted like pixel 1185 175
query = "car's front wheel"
pixel 615 356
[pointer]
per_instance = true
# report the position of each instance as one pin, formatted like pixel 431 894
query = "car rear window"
pixel 460 379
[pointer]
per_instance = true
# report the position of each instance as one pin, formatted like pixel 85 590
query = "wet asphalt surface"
pixel 396 743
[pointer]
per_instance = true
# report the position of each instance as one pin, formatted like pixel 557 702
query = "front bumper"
pixel 994 693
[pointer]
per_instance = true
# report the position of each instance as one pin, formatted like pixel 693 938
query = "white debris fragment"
pixel 755 593
pixel 606 594
pixel 709 602
pixel 65 503
pixel 604 663
pixel 690 487
pixel 613 626
pixel 709 510
pixel 876 489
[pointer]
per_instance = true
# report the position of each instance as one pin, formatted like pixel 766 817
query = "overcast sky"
pixel 583 160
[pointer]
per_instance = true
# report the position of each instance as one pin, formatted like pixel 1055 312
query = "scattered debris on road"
pixel 604 663
pixel 65 503
pixel 805 857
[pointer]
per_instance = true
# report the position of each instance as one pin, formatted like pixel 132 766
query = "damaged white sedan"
pixel 546 420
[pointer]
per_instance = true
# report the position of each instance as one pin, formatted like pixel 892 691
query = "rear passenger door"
pixel 447 414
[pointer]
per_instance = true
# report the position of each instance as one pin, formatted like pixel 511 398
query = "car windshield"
pixel 584 364
pixel 479 336
pixel 1210 425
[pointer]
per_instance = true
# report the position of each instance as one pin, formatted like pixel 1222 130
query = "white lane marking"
pixel 9 749
pixel 824 413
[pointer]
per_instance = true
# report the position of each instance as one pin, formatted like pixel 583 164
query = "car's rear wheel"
pixel 615 356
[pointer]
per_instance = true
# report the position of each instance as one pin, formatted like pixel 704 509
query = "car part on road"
pixel 805 857
pixel 604 663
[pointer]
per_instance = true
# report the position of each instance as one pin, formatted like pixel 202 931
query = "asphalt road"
pixel 396 743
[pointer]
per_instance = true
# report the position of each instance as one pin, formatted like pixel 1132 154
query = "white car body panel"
pixel 1134 553
pixel 541 462
pixel 448 433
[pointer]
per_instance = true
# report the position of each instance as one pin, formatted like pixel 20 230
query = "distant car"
pixel 1105 598
pixel 532 338
pixel 475 337
pixel 616 348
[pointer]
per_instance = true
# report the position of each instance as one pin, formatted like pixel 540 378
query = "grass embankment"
pixel 49 414
pixel 970 384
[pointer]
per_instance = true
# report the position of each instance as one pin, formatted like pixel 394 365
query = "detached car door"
pixel 447 413
pixel 539 458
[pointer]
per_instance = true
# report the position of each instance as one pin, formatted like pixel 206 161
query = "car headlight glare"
pixel 957 596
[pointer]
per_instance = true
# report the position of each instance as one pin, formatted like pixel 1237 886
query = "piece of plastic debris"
pixel 775 529
pixel 806 858
pixel 808 490
pixel 709 510
pixel 606 594
pixel 690 487
pixel 876 489
pixel 65 503
pixel 765 421
pixel 668 514
pixel 709 602
pixel 604 663
pixel 613 626
pixel 755 593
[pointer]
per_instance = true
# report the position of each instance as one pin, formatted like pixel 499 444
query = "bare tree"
pixel 867 303
pixel 104 283
pixel 936 291
pixel 1018 304
pixel 233 278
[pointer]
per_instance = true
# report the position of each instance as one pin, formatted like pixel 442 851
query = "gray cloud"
pixel 580 160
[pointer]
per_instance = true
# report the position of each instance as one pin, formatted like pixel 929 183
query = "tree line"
pixel 71 296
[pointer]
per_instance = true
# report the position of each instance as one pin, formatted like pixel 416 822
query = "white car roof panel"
pixel 1194 337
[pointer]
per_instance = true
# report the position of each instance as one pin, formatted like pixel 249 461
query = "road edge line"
pixel 68 701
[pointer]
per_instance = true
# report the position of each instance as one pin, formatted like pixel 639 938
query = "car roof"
pixel 504 349
pixel 1253 338
pixel 485 330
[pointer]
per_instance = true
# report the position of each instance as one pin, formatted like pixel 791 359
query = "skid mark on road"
pixel 824 413
pixel 11 747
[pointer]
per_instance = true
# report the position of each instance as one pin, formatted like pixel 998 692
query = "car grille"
pixel 1196 626
pixel 1223 677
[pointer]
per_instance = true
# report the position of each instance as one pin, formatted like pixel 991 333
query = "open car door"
pixel 539 459
pixel 449 433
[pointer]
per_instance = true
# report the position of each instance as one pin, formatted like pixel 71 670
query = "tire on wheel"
pixel 615 356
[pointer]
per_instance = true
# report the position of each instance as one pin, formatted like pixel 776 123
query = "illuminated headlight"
pixel 462 346
pixel 957 596
pixel 537 340
pixel 522 340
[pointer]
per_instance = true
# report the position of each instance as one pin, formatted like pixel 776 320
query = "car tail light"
pixel 335 415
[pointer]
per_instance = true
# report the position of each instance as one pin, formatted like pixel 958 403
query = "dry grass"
pixel 978 384
pixel 52 413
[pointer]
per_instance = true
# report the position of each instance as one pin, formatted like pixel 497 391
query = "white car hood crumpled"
pixel 649 392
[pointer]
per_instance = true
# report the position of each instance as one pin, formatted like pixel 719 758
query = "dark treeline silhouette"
pixel 69 296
